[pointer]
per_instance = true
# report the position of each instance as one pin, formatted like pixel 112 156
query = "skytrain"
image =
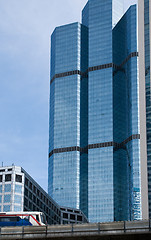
pixel 22 219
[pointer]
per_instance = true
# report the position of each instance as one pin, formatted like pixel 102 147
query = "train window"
pixel 37 218
pixel 43 219
pixel 9 219
pixel 26 218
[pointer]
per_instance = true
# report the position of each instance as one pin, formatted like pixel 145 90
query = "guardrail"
pixel 90 229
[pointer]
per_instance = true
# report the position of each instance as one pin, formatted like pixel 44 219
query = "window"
pixel 69 210
pixel 79 218
pixel 9 219
pixel 18 188
pixel 34 190
pixel 17 208
pixel 65 215
pixel 26 202
pixel 30 185
pixel 8 188
pixel 26 181
pixel 6 208
pixel 1 178
pixel 0 199
pixel 30 205
pixel 7 177
pixel 34 199
pixel 10 169
pixel 72 217
pixel 0 188
pixel 17 199
pixel 37 218
pixel 26 192
pixel 18 178
pixel 30 195
pixel 7 198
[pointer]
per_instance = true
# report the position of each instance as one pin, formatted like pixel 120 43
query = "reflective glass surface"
pixel 148 94
pixel 18 188
pixel 6 208
pixel 127 191
pixel 94 158
pixel 17 208
pixel 17 198
pixel 8 188
pixel 7 198
pixel 68 95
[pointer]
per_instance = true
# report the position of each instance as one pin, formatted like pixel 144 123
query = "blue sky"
pixel 25 28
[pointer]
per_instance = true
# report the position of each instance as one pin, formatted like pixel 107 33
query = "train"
pixel 22 219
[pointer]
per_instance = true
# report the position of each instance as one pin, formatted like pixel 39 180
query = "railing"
pixel 90 229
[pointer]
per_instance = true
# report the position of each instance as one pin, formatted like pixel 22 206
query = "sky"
pixel 25 29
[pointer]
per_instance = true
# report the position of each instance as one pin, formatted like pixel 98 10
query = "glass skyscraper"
pixel 145 13
pixel 94 139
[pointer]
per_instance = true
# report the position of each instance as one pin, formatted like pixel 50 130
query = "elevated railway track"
pixel 139 230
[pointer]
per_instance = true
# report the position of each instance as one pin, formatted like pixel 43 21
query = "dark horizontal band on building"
pixel 96 145
pixel 95 68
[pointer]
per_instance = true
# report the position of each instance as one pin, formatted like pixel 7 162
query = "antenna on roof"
pixel 2 164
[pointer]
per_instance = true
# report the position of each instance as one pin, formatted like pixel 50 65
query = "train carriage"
pixel 22 219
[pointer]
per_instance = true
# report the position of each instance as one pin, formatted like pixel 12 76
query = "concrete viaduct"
pixel 138 230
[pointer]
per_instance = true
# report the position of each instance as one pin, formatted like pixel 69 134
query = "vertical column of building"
pixel 84 122
pixel 120 121
pixel 64 136
pixel 144 10
pixel 147 19
pixel 127 161
pixel 98 16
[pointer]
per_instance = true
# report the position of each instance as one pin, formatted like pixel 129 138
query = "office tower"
pixel 95 146
pixel 68 60
pixel 20 192
pixel 145 29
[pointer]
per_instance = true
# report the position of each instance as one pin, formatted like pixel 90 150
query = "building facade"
pixel 145 41
pixel 95 143
pixel 19 192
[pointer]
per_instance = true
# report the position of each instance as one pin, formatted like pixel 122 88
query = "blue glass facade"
pixel 127 200
pixel 68 116
pixel 148 92
pixel 94 146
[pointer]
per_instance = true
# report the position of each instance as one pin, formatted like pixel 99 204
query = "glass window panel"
pixel 7 198
pixel 8 188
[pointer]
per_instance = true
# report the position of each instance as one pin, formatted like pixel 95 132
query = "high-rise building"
pixel 19 192
pixel 145 33
pixel 95 142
